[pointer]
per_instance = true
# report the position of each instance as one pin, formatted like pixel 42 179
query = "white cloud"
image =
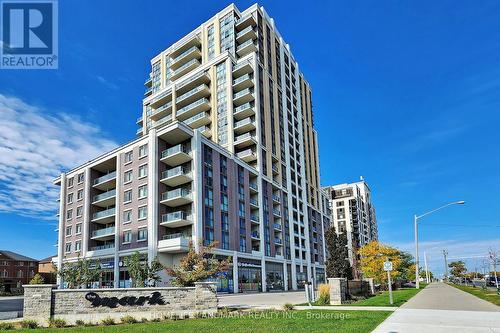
pixel 35 147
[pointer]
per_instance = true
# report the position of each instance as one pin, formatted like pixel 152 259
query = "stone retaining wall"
pixel 42 302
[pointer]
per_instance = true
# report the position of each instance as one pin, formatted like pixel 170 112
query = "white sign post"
pixel 388 268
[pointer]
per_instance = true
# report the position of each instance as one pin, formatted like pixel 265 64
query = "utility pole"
pixel 493 257
pixel 426 268
pixel 445 253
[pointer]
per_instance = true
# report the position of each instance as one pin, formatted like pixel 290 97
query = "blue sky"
pixel 406 94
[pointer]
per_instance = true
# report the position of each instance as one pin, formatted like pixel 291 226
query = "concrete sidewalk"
pixel 346 308
pixel 441 308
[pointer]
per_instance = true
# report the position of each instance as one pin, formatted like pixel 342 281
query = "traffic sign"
pixel 388 266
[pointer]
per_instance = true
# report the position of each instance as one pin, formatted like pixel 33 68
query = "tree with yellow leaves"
pixel 372 260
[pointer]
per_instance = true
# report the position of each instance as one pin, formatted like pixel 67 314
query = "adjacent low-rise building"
pixel 16 270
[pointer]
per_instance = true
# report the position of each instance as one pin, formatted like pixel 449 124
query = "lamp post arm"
pixel 435 210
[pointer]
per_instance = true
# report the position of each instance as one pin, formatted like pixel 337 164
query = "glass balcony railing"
pixel 277 241
pixel 253 186
pixel 186 65
pixel 194 118
pixel 103 232
pixel 243 122
pixel 104 213
pixel 276 212
pixel 242 137
pixel 243 107
pixel 185 53
pixel 180 192
pixel 245 44
pixel 276 197
pixel 179 170
pixel 148 91
pixel 104 178
pixel 176 235
pixel 191 79
pixel 254 218
pixel 192 106
pixel 163 107
pixel 244 31
pixel 180 148
pixel 102 247
pixel 104 195
pixel 246 152
pixel 242 78
pixel 277 226
pixel 243 93
pixel 191 93
pixel 255 234
pixel 175 216
pixel 163 120
pixel 254 202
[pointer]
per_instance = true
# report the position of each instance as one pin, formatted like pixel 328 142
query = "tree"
pixel 373 255
pixel 37 279
pixel 140 271
pixel 337 264
pixel 197 266
pixel 80 273
pixel 406 267
pixel 457 268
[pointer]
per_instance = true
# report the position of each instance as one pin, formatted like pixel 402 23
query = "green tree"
pixel 37 279
pixel 406 267
pixel 140 271
pixel 457 268
pixel 197 266
pixel 80 273
pixel 337 263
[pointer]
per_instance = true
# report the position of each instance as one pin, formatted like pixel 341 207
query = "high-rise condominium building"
pixel 353 213
pixel 226 152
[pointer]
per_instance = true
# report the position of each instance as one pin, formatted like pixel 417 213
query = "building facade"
pixel 353 213
pixel 16 270
pixel 226 151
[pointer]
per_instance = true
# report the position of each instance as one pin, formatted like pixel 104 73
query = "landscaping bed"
pixel 486 294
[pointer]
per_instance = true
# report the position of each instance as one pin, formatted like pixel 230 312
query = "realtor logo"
pixel 29 34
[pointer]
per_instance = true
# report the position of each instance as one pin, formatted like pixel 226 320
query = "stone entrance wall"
pixel 42 302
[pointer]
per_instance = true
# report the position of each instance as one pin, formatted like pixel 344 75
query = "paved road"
pixel 10 307
pixel 262 300
pixel 443 309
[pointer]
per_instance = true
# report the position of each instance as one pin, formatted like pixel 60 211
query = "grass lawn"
pixel 272 321
pixel 400 296
pixel 488 294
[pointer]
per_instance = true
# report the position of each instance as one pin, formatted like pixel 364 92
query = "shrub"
pixel 6 326
pixel 57 323
pixel 288 306
pixel 324 294
pixel 28 324
pixel 144 320
pixel 108 321
pixel 37 279
pixel 79 322
pixel 128 320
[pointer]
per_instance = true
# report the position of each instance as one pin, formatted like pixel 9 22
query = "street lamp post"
pixel 415 221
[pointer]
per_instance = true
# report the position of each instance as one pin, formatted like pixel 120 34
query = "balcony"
pixel 254 203
pixel 191 53
pixel 255 235
pixel 193 81
pixel 104 216
pixel 244 96
pixel 244 140
pixel 104 234
pixel 105 182
pixel 253 187
pixel 277 227
pixel 161 98
pixel 244 81
pixel 175 155
pixel 139 121
pixel 205 130
pixel 163 121
pixel 242 68
pixel 105 199
pixel 275 169
pixel 184 69
pixel 148 91
pixel 193 108
pixel 198 120
pixel 163 110
pixel 244 111
pixel 277 212
pixel 176 176
pixel 254 219
pixel 174 243
pixel 148 82
pixel 175 219
pixel 245 34
pixel 246 48
pixel 139 131
pixel 177 197
pixel 243 126
pixel 276 198
pixel 278 241
pixel 245 21
pixel 247 155
pixel 193 94
pixel 102 249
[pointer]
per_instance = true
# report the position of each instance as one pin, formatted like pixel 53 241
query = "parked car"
pixel 409 284
pixel 491 281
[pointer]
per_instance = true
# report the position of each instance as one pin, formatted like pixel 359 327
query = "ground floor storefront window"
pixel 301 278
pixel 274 276
pixel 320 276
pixel 224 281
pixel 249 276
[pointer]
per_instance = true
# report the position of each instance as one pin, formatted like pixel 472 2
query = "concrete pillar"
pixel 235 273
pixel 285 276
pixel 263 270
pixel 372 285
pixel 38 302
pixel 338 290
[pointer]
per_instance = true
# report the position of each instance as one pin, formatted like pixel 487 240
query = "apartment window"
pixel 143 191
pixel 79 211
pixel 71 181
pixel 243 244
pixel 70 198
pixel 81 177
pixel 143 171
pixel 4 274
pixel 340 203
pixel 211 42
pixel 129 156
pixel 127 216
pixel 19 274
pixel 21 263
pixel 142 234
pixel 143 150
pixel 142 212
pixel 127 237
pixel 78 229
pixel 69 214
pixel 78 246
pixel 68 231
pixel 127 176
pixel 127 196
pixel 68 247
pixel 79 195
pixel 4 263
